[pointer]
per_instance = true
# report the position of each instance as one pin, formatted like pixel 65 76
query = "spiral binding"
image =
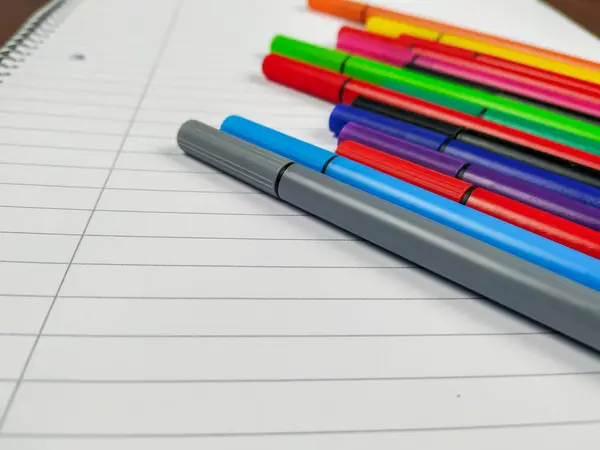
pixel 28 37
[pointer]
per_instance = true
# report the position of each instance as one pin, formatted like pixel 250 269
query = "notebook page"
pixel 149 302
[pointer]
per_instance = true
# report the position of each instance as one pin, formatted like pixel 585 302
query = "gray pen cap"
pixel 247 162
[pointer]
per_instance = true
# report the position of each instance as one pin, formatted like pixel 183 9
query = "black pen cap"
pixel 393 112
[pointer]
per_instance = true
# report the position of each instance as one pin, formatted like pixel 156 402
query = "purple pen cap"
pixel 423 156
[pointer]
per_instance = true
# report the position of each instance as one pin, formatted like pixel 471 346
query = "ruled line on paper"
pixel 283 298
pixel 353 432
pixel 74 381
pixel 149 211
pixel 116 169
pixel 158 111
pixel 210 238
pixel 129 189
pixel 263 336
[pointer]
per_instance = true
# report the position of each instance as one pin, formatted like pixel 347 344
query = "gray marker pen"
pixel 554 301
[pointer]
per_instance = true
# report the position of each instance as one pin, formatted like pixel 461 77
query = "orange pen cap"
pixel 354 11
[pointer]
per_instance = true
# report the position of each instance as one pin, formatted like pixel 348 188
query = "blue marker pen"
pixel 528 246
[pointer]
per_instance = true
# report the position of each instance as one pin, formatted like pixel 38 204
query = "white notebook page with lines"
pixel 148 302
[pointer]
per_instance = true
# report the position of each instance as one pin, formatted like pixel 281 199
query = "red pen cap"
pixel 430 180
pixel 321 83
pixel 437 47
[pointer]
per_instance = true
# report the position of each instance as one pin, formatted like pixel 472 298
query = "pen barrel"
pixel 536 196
pixel 233 156
pixel 544 224
pixel 562 304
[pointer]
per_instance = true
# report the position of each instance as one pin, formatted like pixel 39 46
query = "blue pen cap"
pixel 344 114
pixel 299 151
pixel 523 171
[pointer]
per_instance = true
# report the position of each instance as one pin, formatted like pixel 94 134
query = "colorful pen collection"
pixel 491 146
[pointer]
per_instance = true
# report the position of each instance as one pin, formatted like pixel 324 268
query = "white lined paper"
pixel 22 315
pixel 304 358
pixel 29 220
pixel 280 317
pixel 49 156
pixel 230 408
pixel 148 301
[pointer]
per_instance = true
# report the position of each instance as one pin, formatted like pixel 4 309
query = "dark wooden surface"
pixel 15 12
pixel 585 12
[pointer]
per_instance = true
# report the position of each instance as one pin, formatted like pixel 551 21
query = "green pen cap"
pixel 309 53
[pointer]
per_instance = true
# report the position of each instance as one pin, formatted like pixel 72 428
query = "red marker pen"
pixel 524 216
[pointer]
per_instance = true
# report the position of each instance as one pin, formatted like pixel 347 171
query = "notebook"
pixel 149 302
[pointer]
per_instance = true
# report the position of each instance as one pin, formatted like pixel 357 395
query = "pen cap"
pixel 373 46
pixel 401 148
pixel 393 28
pixel 373 71
pixel 309 53
pixel 231 155
pixel 420 120
pixel 341 8
pixel 344 114
pixel 312 80
pixel 418 44
pixel 438 183
pixel 298 151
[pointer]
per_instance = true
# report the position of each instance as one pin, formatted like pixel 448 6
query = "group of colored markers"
pixel 473 156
